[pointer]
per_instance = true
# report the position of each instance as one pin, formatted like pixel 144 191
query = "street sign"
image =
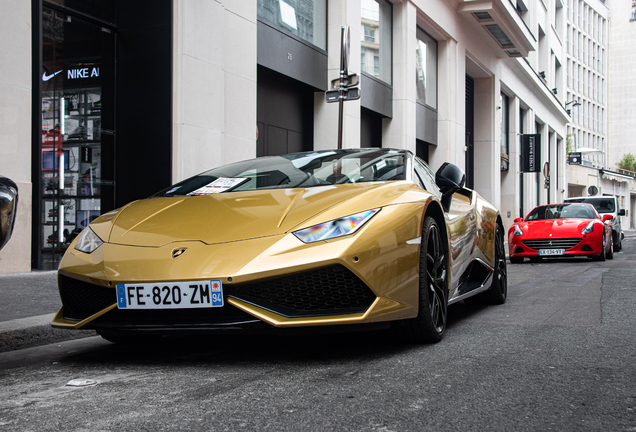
pixel 350 81
pixel 352 93
pixel 574 158
pixel 530 153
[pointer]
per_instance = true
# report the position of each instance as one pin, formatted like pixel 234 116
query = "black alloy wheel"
pixel 430 323
pixel 498 291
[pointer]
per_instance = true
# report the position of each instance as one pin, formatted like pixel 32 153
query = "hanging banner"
pixel 531 153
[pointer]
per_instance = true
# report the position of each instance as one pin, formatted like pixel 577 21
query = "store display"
pixel 71 149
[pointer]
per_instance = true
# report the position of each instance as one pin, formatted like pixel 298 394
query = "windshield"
pixel 562 211
pixel 602 205
pixel 296 170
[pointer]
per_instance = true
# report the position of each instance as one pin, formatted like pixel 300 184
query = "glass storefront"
pixel 306 19
pixel 76 165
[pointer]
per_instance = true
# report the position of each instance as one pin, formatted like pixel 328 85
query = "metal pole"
pixel 341 89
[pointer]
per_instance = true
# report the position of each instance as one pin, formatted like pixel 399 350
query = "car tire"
pixel 516 260
pixel 610 254
pixel 498 292
pixel 430 323
pixel 601 257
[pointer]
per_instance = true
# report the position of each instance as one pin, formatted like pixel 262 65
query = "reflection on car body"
pixel 8 209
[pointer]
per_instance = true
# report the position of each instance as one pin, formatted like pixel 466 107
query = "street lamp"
pixel 575 102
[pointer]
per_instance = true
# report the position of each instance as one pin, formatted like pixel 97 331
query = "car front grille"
pixel 333 290
pixel 83 299
pixel 552 243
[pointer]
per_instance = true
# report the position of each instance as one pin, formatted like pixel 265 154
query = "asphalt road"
pixel 559 355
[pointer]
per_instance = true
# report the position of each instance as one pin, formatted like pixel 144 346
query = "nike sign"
pixel 46 77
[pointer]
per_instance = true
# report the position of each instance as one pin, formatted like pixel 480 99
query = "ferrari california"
pixel 333 240
pixel 561 230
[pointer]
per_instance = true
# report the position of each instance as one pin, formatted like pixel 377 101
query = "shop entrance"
pixel 285 116
pixel 76 152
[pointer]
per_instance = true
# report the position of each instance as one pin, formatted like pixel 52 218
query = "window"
pixel 504 122
pixel 306 19
pixel 369 34
pixel 427 177
pixel 376 39
pixel 426 69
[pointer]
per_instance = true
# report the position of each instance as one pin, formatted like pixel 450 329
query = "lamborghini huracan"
pixel 331 239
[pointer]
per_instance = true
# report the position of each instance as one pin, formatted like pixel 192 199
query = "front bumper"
pixel 585 246
pixel 275 280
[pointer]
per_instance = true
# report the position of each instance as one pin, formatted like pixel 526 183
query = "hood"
pixel 558 228
pixel 227 217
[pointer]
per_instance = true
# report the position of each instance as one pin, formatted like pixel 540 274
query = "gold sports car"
pixel 330 239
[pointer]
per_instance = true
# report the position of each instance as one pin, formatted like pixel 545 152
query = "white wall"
pixel 15 125
pixel 214 95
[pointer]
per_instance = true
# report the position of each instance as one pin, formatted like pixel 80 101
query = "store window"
pixel 376 39
pixel 306 19
pixel 75 174
pixel 504 122
pixel 426 73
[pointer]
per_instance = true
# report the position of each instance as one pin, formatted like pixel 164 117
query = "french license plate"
pixel 551 252
pixel 170 295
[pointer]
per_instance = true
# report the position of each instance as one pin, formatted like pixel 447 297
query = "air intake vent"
pixel 565 243
pixel 331 290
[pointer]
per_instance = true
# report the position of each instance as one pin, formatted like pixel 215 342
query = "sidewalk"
pixel 28 303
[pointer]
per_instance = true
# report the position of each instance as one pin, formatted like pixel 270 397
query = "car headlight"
pixel 88 241
pixel 518 231
pixel 335 228
pixel 589 228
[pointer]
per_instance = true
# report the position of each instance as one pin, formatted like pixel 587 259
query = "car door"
pixel 461 223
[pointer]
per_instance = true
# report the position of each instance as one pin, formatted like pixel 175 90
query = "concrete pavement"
pixel 28 303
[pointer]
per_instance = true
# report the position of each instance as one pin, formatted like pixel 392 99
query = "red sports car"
pixel 558 230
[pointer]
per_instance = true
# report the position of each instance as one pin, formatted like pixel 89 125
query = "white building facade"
pixel 589 68
pixel 622 95
pixel 457 81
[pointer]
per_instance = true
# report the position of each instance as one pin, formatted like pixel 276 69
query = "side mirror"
pixel 449 178
pixel 517 220
pixel 621 212
pixel 8 208
pixel 608 217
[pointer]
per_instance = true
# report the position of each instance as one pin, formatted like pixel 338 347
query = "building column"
pixel 487 153
pixel 400 131
pixel 15 134
pixel 214 89
pixel 510 180
pixel 451 105
pixel 340 13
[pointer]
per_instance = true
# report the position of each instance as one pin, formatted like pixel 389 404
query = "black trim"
pixel 36 129
pixel 64 9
